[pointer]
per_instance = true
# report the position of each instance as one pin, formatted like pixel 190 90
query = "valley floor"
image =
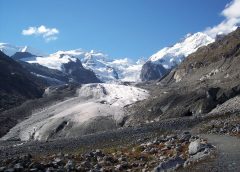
pixel 227 156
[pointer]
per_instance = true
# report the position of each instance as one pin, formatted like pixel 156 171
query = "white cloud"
pixel 232 10
pixel 231 21
pixel 49 34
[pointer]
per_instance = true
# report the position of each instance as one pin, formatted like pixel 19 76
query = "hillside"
pixel 203 81
pixel 17 84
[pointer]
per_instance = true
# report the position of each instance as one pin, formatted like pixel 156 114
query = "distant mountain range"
pixel 104 68
pixel 107 69
pixel 10 50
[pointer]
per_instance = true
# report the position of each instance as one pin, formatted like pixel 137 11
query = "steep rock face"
pixel 151 71
pixel 78 73
pixel 17 84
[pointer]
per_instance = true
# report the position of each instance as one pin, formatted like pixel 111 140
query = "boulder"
pixel 194 147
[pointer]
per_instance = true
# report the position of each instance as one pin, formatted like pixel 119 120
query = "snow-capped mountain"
pixel 54 68
pixel 105 68
pixel 52 61
pixel 10 50
pixel 169 57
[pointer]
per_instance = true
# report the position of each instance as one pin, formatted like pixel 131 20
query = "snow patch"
pixel 54 61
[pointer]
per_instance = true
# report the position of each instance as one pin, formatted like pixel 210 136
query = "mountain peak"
pixel 10 49
pixel 24 49
pixel 169 56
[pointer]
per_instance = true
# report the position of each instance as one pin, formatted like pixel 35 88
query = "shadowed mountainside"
pixel 17 84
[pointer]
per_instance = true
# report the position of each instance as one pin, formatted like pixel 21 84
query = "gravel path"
pixel 228 155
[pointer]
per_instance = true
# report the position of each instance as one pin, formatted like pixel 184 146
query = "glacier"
pixel 96 107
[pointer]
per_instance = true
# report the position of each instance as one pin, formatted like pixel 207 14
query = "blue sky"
pixel 120 28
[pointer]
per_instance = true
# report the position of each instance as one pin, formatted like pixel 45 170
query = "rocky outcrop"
pixel 22 55
pixel 152 71
pixel 78 73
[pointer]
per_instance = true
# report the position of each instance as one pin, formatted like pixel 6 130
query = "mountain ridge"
pixel 115 70
pixel 106 69
pixel 168 58
pixel 10 50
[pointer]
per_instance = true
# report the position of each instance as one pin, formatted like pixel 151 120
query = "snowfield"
pixel 52 61
pixel 96 107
